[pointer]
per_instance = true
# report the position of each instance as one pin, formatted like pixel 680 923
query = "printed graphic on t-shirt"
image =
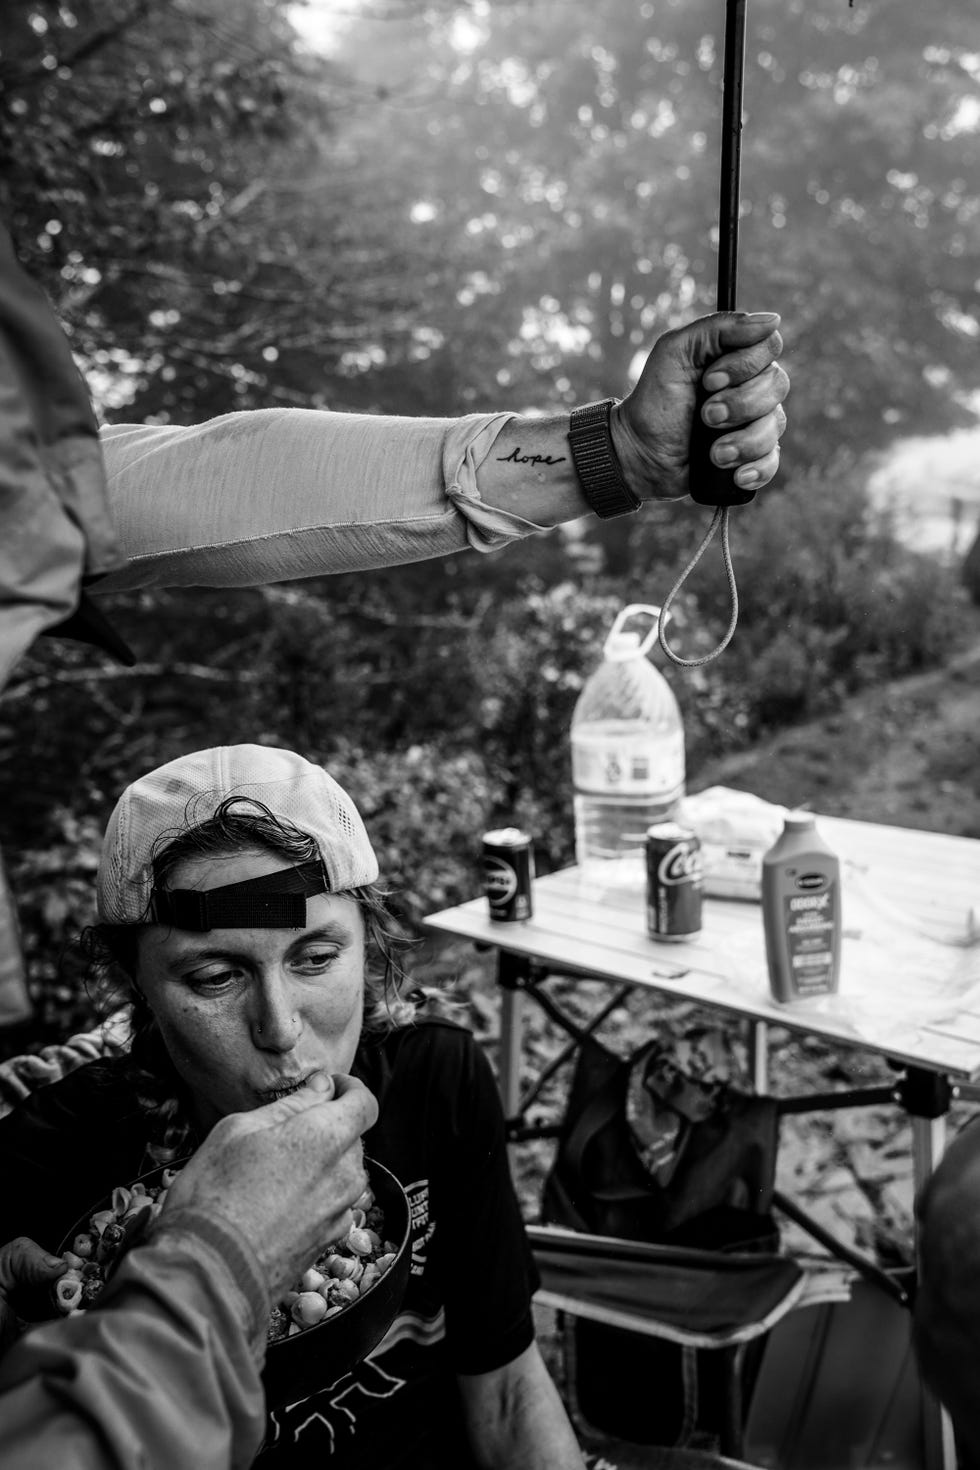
pixel 336 1407
pixel 422 1229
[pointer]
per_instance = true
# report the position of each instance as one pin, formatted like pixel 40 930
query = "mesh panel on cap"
pixel 186 792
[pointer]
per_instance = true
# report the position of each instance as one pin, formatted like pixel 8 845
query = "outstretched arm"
pixel 277 494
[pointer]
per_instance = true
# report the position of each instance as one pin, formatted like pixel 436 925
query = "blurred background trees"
pixel 470 203
pixel 400 207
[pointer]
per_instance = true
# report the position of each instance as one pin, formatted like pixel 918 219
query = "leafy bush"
pixel 830 601
pixel 534 662
pixel 425 810
pixel 54 887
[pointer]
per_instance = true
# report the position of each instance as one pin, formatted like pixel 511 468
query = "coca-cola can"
pixel 508 873
pixel 674 882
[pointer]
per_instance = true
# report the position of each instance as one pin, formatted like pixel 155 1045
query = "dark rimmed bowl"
pixel 313 1359
pixel 300 1365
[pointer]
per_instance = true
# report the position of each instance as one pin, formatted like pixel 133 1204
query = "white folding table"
pixel 909 987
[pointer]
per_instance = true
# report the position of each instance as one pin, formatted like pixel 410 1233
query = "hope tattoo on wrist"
pixel 516 457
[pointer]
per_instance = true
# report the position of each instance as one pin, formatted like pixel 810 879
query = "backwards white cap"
pixel 185 792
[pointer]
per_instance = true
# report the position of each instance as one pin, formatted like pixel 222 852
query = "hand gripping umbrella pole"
pixel 709 484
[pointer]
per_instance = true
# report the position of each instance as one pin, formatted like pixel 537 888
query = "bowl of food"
pixel 300 1362
pixel 335 1315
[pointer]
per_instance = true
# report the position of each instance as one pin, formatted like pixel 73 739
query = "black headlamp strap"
pixel 274 901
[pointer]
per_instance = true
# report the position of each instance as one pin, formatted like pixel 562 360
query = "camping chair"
pixel 702 1302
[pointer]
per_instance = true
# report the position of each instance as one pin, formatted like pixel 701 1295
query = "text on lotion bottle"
pixel 801 912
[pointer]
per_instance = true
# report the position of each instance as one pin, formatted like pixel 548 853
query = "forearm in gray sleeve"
pixel 273 495
pixel 164 1372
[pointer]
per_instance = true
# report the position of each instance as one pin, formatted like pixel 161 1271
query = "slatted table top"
pixel 910 969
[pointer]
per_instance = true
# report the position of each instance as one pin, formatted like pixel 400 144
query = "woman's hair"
pixel 110 953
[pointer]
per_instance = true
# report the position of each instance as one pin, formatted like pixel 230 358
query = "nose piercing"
pixel 258 1029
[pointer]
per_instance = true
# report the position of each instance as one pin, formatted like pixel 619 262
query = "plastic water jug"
pixel 627 750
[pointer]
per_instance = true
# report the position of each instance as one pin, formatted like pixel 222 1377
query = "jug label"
pixel 628 768
pixel 810 924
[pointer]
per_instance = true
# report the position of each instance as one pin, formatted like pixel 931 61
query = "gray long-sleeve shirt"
pixel 276 494
pixel 164 1372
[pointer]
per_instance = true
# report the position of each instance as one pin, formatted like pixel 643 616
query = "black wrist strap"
pixel 596 463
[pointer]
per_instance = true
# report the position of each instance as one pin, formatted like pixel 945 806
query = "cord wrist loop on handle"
pixel 716 493
pixel 720 518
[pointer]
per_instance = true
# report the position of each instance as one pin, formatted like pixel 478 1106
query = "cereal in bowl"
pixel 343 1272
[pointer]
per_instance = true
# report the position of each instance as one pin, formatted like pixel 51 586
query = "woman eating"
pixel 240 912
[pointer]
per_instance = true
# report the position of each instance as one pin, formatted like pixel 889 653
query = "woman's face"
pixel 249 1014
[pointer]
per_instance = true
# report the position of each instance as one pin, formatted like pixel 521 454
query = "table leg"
pixel 510 970
pixel 759 1055
pixel 928 1146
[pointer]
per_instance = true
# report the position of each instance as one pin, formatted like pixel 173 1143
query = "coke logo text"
pixel 682 864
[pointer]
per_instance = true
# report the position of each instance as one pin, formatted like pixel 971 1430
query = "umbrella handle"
pixel 710 485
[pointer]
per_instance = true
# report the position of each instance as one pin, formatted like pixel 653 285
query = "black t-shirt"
pixel 467 1306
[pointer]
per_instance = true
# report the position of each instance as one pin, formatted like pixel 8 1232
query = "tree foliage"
pixel 171 174
pixel 566 159
pixel 473 204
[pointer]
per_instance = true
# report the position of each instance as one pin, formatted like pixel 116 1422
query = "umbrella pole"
pixel 731 153
pixel 709 484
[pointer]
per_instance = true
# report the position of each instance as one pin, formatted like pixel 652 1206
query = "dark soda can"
pixel 674 882
pixel 508 872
